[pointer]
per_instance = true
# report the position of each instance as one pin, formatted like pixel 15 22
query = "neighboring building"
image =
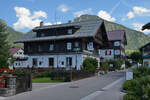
pixel 116 46
pixel 18 54
pixel 146 54
pixel 64 45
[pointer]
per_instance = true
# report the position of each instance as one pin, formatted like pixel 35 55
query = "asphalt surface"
pixel 94 88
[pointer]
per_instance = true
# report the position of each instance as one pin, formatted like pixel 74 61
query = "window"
pixel 62 63
pixel 42 34
pixel 117 43
pixel 69 61
pixel 51 47
pixel 29 48
pixel 69 31
pixel 40 63
pixel 76 44
pixel 34 61
pixel 90 46
pixel 39 48
pixel 117 52
pixel 69 46
pixel 51 62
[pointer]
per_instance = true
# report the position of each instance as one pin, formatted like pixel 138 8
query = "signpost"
pixel 129 75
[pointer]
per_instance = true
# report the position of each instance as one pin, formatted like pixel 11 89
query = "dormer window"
pixel 51 47
pixel 69 31
pixel 42 34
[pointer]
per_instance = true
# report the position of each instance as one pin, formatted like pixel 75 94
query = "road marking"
pixel 112 84
pixel 92 96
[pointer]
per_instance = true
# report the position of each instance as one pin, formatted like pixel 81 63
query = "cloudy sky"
pixel 24 15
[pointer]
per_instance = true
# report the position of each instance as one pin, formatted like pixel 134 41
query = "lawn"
pixel 45 80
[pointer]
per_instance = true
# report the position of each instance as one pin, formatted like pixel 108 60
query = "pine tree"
pixel 4 47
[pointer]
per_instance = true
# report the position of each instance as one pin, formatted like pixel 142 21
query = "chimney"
pixel 41 23
pixel 69 21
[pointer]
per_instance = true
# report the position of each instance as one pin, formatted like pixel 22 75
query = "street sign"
pixel 129 75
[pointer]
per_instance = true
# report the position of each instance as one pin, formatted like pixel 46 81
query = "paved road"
pixel 94 88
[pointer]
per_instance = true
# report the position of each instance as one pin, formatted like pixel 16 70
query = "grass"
pixel 45 80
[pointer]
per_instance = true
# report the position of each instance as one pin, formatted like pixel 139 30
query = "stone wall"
pixel 16 84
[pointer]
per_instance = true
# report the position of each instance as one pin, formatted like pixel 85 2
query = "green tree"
pixel 136 56
pixel 90 64
pixel 4 47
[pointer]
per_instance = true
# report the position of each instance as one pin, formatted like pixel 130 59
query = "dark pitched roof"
pixel 14 50
pixel 146 26
pixel 117 35
pixel 87 29
pixel 144 46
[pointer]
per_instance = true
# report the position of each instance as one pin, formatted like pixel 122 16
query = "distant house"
pixel 116 46
pixel 64 45
pixel 146 54
pixel 18 54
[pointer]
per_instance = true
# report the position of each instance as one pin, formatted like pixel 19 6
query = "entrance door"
pixel 51 62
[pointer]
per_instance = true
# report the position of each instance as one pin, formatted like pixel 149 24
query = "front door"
pixel 51 62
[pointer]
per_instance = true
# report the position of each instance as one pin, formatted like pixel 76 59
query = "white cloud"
pixel 48 23
pixel 138 11
pixel 57 23
pixel 82 12
pixel 26 20
pixel 103 14
pixel 138 27
pixel 130 15
pixel 38 14
pixel 63 8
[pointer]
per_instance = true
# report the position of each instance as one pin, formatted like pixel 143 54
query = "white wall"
pixel 102 53
pixel 58 59
pixel 19 54
pixel 20 64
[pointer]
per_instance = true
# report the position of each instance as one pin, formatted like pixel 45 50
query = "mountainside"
pixel 12 34
pixel 135 38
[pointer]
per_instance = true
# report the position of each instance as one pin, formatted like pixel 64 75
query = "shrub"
pixel 105 66
pixel 44 74
pixel 21 72
pixel 128 64
pixel 118 63
pixel 90 64
pixel 141 71
pixel 130 85
pixel 130 97
pixel 140 89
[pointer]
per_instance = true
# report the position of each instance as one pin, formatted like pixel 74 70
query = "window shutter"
pixel 106 52
pixel 110 52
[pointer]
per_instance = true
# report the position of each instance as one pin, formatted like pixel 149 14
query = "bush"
pixel 90 64
pixel 130 85
pixel 44 74
pixel 105 66
pixel 140 89
pixel 118 63
pixel 128 64
pixel 130 97
pixel 21 72
pixel 141 71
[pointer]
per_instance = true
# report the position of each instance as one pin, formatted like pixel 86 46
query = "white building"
pixel 64 45
pixel 18 54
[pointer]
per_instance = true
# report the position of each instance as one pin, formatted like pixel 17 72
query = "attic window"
pixel 42 34
pixel 69 31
